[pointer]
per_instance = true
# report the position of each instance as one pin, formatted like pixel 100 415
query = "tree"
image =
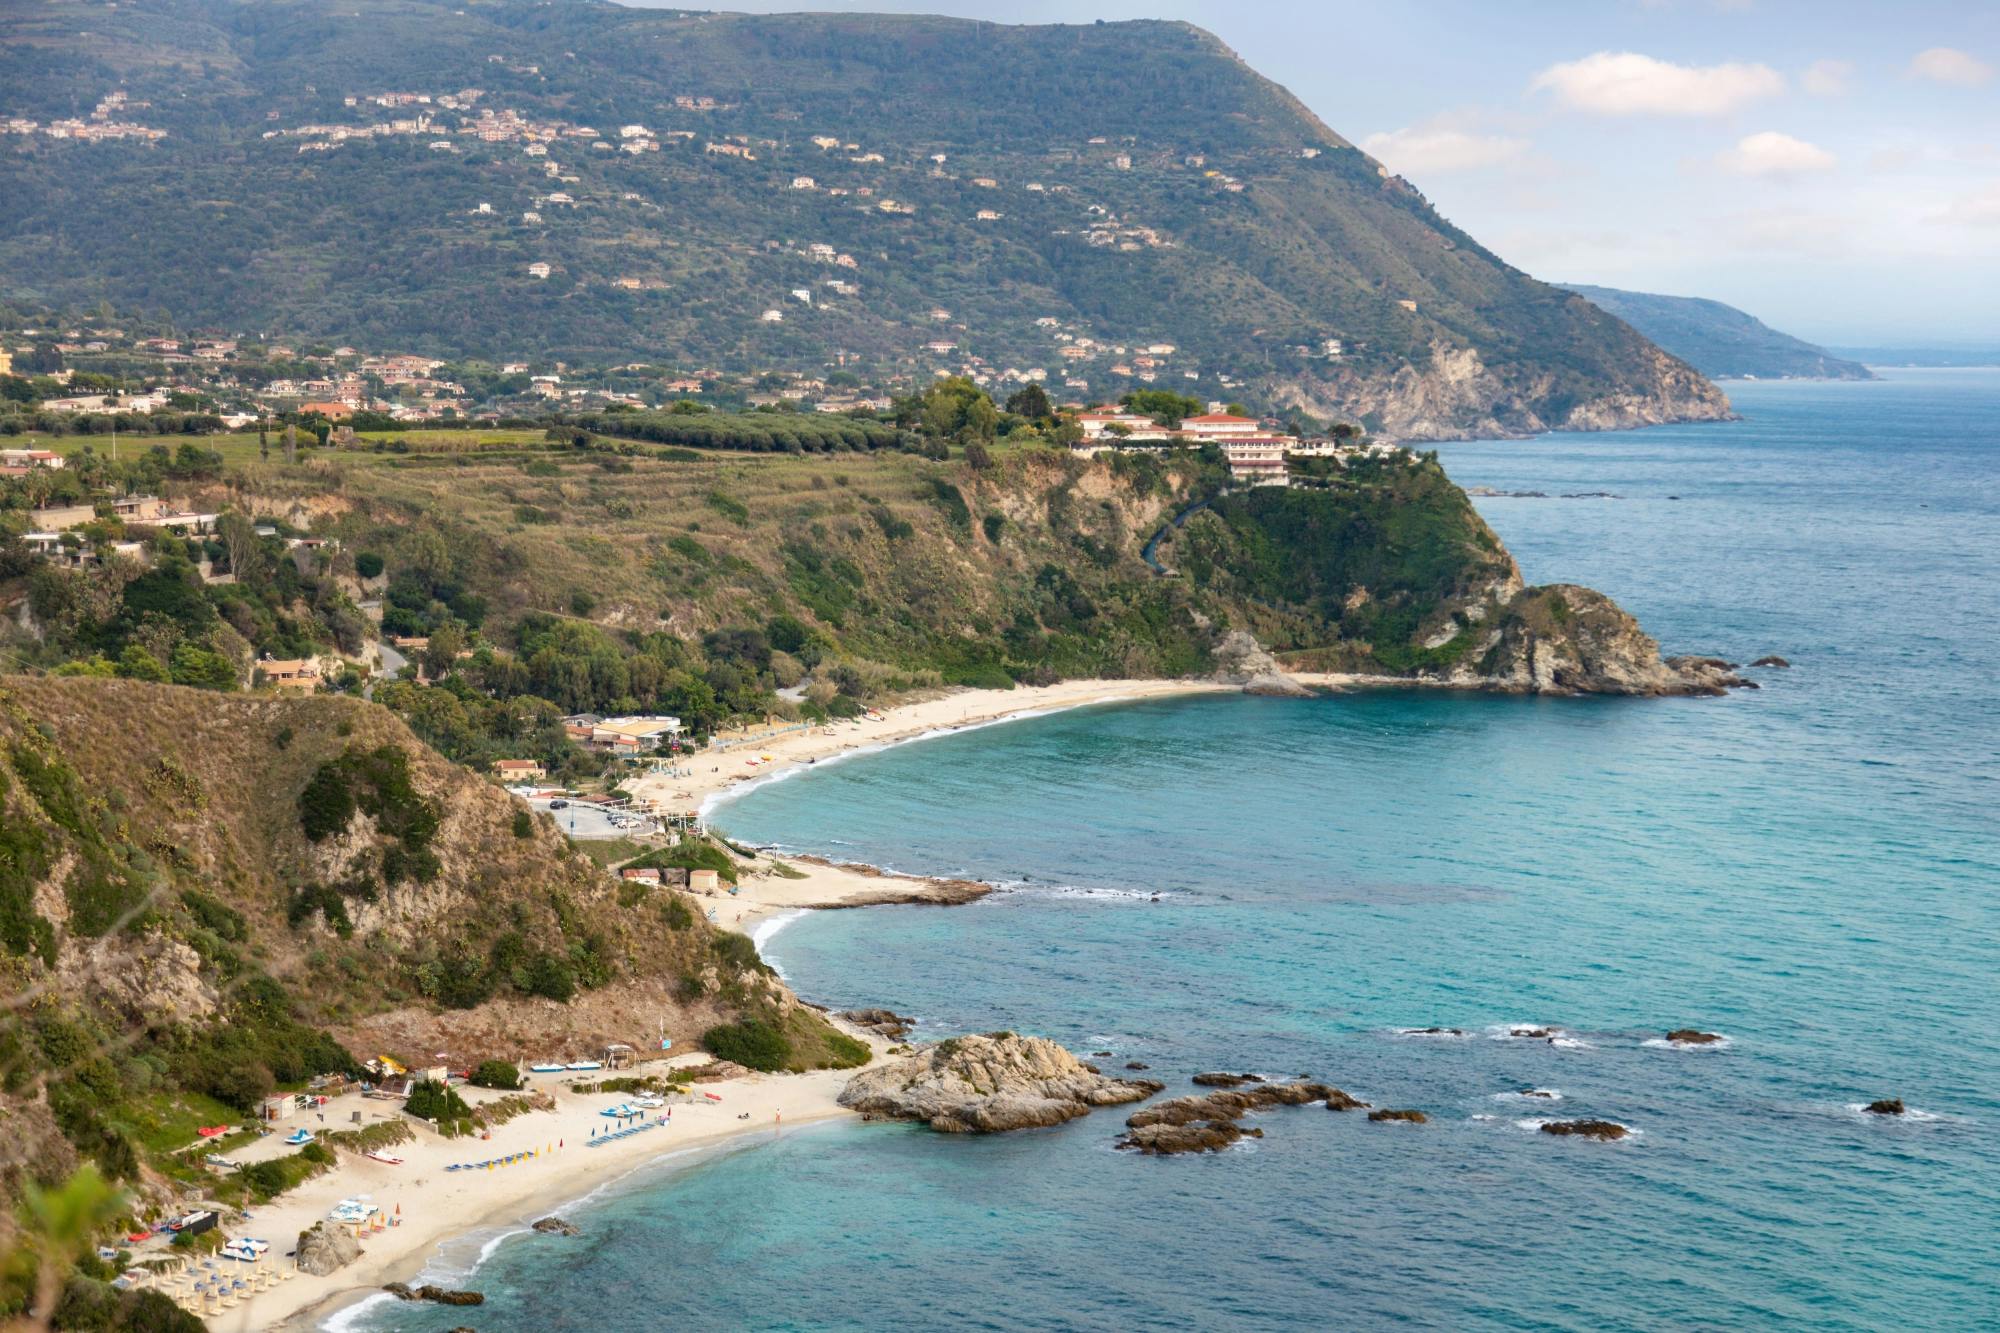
pixel 978 455
pixel 1162 405
pixel 58 1225
pixel 1032 402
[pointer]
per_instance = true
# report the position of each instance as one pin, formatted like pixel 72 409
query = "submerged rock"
pixel 1218 1079
pixel 1434 1032
pixel 1692 1037
pixel 555 1226
pixel 323 1249
pixel 1887 1106
pixel 988 1085
pixel 1537 1034
pixel 1137 1064
pixel 1408 1117
pixel 1772 661
pixel 1536 1092
pixel 1606 1130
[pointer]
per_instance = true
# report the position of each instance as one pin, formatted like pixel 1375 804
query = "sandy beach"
pixel 437 1205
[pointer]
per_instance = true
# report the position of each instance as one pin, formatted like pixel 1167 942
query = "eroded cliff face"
pixel 1457 395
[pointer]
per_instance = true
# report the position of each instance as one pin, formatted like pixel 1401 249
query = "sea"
pixel 1296 887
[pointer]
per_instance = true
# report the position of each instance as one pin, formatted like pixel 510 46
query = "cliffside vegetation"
pixel 203 899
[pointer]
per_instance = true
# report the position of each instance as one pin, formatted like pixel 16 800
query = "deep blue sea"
pixel 1812 869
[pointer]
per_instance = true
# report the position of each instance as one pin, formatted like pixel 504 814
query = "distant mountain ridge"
pixel 1719 340
pixel 583 181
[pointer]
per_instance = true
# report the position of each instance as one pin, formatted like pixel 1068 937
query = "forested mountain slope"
pixel 906 193
pixel 1720 340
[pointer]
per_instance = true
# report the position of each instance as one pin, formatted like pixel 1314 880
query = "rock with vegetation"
pixel 326 1249
pixel 989 1084
pixel 1241 660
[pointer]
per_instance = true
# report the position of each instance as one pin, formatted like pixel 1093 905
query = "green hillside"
pixel 1720 340
pixel 1146 189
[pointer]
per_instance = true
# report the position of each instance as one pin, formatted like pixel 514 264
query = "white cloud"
pixel 1773 154
pixel 1944 64
pixel 1419 150
pixel 1623 83
pixel 1827 78
pixel 1974 210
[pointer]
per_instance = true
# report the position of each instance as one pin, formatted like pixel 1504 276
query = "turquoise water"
pixel 1277 885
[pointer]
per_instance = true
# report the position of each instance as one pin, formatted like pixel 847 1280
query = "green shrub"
pixel 524 824
pixel 752 1043
pixel 431 1100
pixel 500 1074
pixel 211 914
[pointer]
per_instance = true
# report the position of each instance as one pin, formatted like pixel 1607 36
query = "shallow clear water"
pixel 1810 869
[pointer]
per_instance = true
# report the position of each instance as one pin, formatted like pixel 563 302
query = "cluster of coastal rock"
pixel 1001 1081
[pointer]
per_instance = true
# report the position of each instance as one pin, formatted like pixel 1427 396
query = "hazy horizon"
pixel 1832 169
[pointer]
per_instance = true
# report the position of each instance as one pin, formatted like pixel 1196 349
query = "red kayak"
pixel 711 1096
pixel 211 1131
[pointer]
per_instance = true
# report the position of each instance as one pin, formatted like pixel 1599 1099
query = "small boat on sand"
pixel 584 1064
pixel 383 1155
pixel 547 1067
pixel 298 1136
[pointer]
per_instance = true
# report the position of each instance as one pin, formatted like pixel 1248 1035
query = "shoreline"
pixel 451 1206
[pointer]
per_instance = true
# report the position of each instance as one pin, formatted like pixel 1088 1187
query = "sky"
pixel 1831 167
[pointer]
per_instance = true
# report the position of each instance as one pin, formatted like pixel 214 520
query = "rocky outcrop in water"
pixel 1405 1117
pixel 1693 1037
pixel 427 1292
pixel 324 1249
pixel 883 1022
pixel 1566 639
pixel 989 1085
pixel 1222 1080
pixel 555 1226
pixel 1206 1122
pixel 1604 1130
pixel 1200 1136
pixel 1887 1106
pixel 1772 661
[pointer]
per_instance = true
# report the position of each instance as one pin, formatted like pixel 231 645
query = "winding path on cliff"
pixel 1153 543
